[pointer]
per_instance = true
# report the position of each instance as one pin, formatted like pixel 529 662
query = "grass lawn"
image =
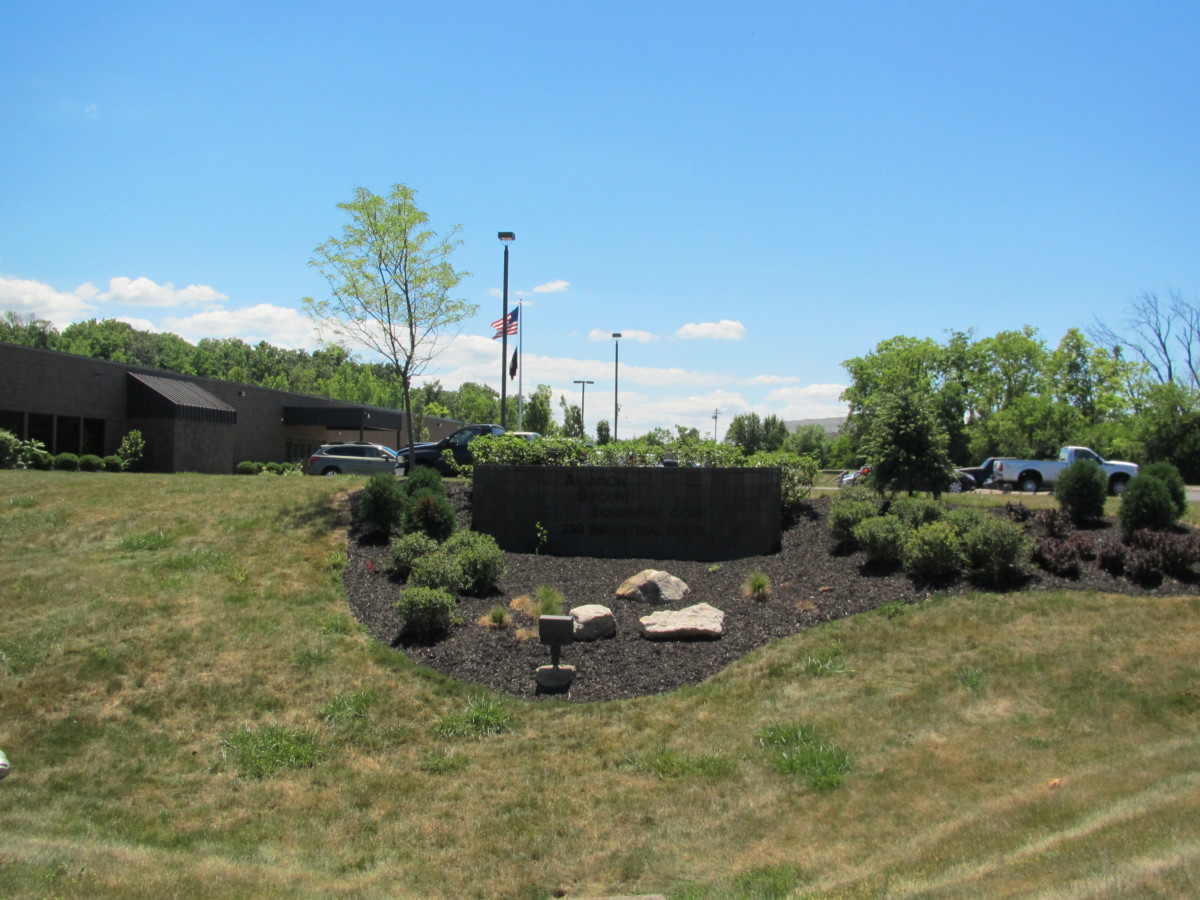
pixel 190 710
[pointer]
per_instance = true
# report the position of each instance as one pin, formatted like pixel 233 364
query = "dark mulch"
pixel 812 582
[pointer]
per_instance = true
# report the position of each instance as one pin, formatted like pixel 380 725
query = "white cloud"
pixel 144 292
pixel 807 402
pixel 643 337
pixel 552 287
pixel 92 111
pixel 725 330
pixel 33 298
pixel 264 322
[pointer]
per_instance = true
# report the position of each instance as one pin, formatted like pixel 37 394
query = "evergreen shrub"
pixel 424 478
pixel 426 610
pixel 66 462
pixel 480 558
pixel 1147 503
pixel 439 570
pixel 407 549
pixel 41 460
pixel 995 548
pixel 90 462
pixel 1169 475
pixel 917 511
pixel 1081 490
pixel 382 502
pixel 882 538
pixel 430 513
pixel 10 448
pixel 114 463
pixel 246 467
pixel 933 552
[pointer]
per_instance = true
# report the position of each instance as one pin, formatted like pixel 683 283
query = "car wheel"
pixel 956 487
pixel 332 470
pixel 1030 485
pixel 1117 486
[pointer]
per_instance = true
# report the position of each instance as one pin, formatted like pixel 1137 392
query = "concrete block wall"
pixel 630 512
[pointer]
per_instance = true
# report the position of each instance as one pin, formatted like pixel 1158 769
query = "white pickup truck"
pixel 1032 475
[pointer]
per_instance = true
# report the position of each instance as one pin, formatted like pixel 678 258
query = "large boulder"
pixel 652 586
pixel 699 621
pixel 593 622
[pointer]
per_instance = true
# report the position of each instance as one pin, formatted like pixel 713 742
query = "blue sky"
pixel 751 193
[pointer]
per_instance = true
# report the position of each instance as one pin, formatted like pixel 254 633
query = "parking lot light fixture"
pixel 616 380
pixel 582 401
pixel 506 238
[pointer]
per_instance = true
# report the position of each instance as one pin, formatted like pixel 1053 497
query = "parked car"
pixel 855 476
pixel 353 458
pixel 1031 475
pixel 968 478
pixel 429 453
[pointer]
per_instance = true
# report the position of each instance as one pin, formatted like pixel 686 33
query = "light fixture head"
pixel 616 334
pixel 506 236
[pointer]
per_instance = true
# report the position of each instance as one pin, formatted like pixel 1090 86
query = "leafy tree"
pixel 538 415
pixel 809 440
pixel 475 403
pixel 1169 428
pixel 906 445
pixel 572 419
pixel 28 332
pixel 603 432
pixel 746 431
pixel 390 281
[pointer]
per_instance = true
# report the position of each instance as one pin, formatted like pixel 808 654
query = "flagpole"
pixel 521 371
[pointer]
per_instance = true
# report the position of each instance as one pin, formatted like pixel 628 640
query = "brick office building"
pixel 81 405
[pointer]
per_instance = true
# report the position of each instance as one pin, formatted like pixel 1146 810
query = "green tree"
pixel 809 440
pixel 538 415
pixel 603 432
pixel 28 332
pixel 746 432
pixel 390 281
pixel 475 403
pixel 572 419
pixel 906 445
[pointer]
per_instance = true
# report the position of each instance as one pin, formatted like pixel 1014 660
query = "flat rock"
pixel 699 621
pixel 653 585
pixel 593 622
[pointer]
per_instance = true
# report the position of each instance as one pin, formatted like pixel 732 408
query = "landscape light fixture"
pixel 582 402
pixel 506 238
pixel 616 379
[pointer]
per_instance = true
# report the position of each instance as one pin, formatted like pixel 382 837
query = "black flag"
pixel 512 369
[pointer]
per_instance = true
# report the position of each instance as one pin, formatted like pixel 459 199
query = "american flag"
pixel 510 329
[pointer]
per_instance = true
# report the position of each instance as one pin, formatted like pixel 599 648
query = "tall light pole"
pixel 716 412
pixel 616 379
pixel 583 400
pixel 506 238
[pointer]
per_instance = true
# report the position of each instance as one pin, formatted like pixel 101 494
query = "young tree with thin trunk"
pixel 390 282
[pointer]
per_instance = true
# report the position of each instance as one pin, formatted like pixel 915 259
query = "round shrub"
pixel 1169 475
pixel 917 511
pixel 66 462
pixel 382 502
pixel 1081 491
pixel 882 538
pixel 10 448
pixel 963 520
pixel 1176 552
pixel 247 467
pixel 407 549
pixel 438 570
pixel 845 515
pixel 1057 556
pixel 1147 503
pixel 996 548
pixel 480 557
pixel 90 462
pixel 426 610
pixel 424 478
pixel 1110 555
pixel 41 460
pixel 113 463
pixel 273 468
pixel 933 552
pixel 431 514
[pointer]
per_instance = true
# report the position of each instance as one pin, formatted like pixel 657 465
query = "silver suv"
pixel 353 458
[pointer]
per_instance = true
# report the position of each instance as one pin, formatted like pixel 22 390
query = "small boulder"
pixel 699 621
pixel 653 585
pixel 593 622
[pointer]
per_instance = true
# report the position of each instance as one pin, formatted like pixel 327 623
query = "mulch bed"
pixel 811 581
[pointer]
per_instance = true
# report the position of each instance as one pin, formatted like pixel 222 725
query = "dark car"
pixel 971 477
pixel 458 443
pixel 353 458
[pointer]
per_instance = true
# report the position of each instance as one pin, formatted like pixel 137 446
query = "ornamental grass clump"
pixel 756 587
